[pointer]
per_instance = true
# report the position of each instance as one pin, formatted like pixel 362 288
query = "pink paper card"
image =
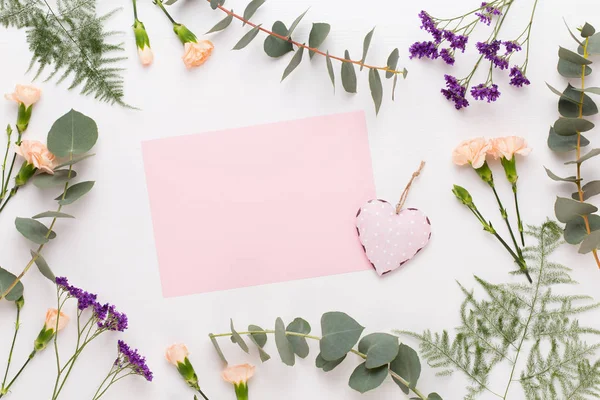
pixel 258 205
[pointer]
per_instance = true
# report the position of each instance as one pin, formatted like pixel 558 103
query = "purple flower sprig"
pixel 129 362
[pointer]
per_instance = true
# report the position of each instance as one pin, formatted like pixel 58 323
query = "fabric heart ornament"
pixel 391 239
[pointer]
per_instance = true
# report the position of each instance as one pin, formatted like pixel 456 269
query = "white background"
pixel 109 248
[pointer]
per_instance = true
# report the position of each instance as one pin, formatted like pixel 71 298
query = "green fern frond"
pixel 71 43
pixel 497 328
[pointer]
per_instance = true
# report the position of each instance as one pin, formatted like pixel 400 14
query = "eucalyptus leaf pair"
pixel 71 138
pixel 566 135
pixel 381 354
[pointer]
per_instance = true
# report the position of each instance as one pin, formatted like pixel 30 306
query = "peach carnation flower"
pixel 508 146
pixel 472 151
pixel 52 316
pixel 25 94
pixel 36 153
pixel 196 54
pixel 238 373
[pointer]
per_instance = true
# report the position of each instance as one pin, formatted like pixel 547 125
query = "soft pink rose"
pixel 238 373
pixel 196 54
pixel 146 55
pixel 37 153
pixel 472 152
pixel 508 146
pixel 51 319
pixel 177 353
pixel 25 94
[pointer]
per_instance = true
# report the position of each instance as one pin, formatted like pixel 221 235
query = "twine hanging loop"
pixel 400 204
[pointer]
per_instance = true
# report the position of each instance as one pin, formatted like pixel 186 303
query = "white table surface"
pixel 110 247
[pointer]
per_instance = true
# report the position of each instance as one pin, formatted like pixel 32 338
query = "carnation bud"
pixel 20 302
pixel 25 173
pixel 142 42
pixel 55 322
pixel 463 195
pixel 184 34
pixel 177 355
pixel 23 117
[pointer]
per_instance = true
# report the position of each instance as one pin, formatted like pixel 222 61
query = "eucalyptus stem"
pixel 12 347
pixel 400 379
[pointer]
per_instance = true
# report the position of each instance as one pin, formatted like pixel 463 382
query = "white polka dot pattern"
pixel 390 239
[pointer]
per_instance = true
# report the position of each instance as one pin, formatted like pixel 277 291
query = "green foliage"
pixel 565 136
pixel 380 354
pixel 513 317
pixel 70 42
pixel 6 280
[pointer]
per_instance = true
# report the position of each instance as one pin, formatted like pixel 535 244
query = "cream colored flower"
pixel 472 152
pixel 52 316
pixel 238 373
pixel 177 353
pixel 37 153
pixel 508 146
pixel 196 54
pixel 25 94
pixel 146 55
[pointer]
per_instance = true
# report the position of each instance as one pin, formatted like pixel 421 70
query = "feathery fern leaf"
pixel 69 41
pixel 512 316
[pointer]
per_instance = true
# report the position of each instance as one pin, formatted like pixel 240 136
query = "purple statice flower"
pixel 484 92
pixel 130 358
pixel 517 78
pixel 456 41
pixel 512 46
pixel 490 52
pixel 447 56
pixel 455 92
pixel 114 320
pixel 486 17
pixel 84 299
pixel 430 26
pixel 424 49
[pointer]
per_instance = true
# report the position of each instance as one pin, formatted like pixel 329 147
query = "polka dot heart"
pixel 389 239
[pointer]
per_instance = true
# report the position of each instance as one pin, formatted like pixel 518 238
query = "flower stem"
pixel 12 193
pixel 19 373
pixel 12 347
pixel 519 220
pixel 135 14
pixel 505 218
pixel 528 36
pixel 421 395
pixel 302 45
pixel 110 374
pixel 202 394
pixel 162 7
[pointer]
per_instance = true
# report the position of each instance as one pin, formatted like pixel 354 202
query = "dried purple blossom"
pixel 84 299
pixel 130 358
pixel 455 92
pixel 424 49
pixel 484 92
pixel 447 56
pixel 114 320
pixel 430 26
pixel 512 46
pixel 458 41
pixel 490 52
pixel 486 17
pixel 517 77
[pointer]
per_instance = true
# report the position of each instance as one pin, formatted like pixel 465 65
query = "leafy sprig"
pixel 513 316
pixel 279 42
pixel 383 355
pixel 581 218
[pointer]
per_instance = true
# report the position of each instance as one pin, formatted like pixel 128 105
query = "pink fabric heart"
pixel 389 239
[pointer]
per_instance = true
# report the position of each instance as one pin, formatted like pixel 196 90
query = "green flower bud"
pixel 485 173
pixel 25 173
pixel 510 168
pixel 141 36
pixel 241 391
pixel 20 302
pixel 186 370
pixel 463 195
pixel 184 34
pixel 43 339
pixel 23 117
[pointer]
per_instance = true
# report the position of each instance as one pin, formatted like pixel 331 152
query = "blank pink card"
pixel 258 205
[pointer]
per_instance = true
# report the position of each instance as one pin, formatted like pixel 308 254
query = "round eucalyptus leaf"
pixel 299 344
pixel 572 57
pixel 567 209
pixel 408 366
pixel 434 396
pixel 318 34
pixel 590 189
pixel 284 347
pixel 562 144
pixel 570 126
pixel 274 46
pixel 327 366
pixel 364 379
pixel 72 134
pixel 576 231
pixel 587 30
pixel 590 243
pixel 570 103
pixel 34 230
pixel 75 192
pixel 6 280
pixel 340 333
pixel 260 338
pixel 380 348
pixel 60 177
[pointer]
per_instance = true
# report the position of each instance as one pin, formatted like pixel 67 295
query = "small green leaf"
pixel 318 34
pixel 392 63
pixel 594 44
pixel 294 62
pixel 6 280
pixel 223 24
pixel 569 104
pixel 264 356
pixel 217 348
pixel 274 46
pixel 60 177
pixel 330 71
pixel 582 159
pixel 571 70
pixel 567 209
pixel 299 344
pixel 590 189
pixel 364 379
pixel 576 229
pixel 563 144
pixel 215 3
pixel 340 333
pixel 571 126
pixel 247 38
pixel 557 178
pixel 236 338
pixel 72 134
pixel 591 243
pixel 376 88
pixel 34 230
pixel 295 23
pixel 587 30
pixel 327 366
pixel 560 94
pixel 572 57
pixel 594 90
pixel 251 9
pixel 284 347
pixel 74 160
pixel 380 348
pixel 52 214
pixel 366 45
pixel 43 267
pixel 75 192
pixel 408 366
pixel 260 338
pixel 348 74
pixel 434 396
pixel 572 34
